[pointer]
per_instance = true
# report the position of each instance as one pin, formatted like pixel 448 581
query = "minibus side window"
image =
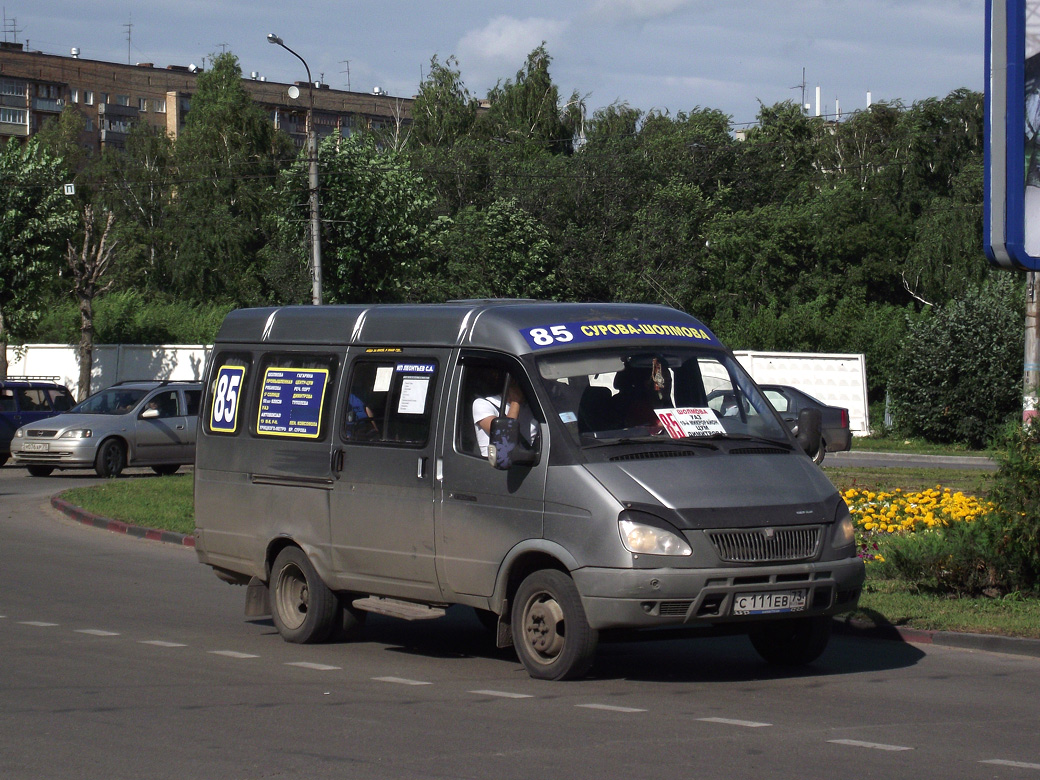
pixel 294 393
pixel 390 401
pixel 225 408
pixel 481 397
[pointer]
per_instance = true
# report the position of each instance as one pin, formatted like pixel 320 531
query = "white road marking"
pixel 609 708
pixel 37 623
pixel 400 681
pixel 1016 764
pixel 751 724
pixel 873 745
pixel 315 667
pixel 504 694
pixel 161 643
pixel 95 632
pixel 232 654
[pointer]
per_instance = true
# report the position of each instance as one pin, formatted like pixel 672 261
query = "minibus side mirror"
pixel 505 449
pixel 809 434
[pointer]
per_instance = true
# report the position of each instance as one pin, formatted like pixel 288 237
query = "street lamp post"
pixel 312 155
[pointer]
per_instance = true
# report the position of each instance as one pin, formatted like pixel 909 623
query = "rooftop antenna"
pixel 223 47
pixel 10 27
pixel 129 26
pixel 802 87
pixel 347 71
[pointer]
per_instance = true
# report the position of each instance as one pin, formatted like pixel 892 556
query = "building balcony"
pixel 50 105
pixel 114 111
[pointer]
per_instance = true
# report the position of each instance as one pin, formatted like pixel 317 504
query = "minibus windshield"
pixel 605 396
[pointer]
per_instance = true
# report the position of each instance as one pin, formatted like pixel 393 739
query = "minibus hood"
pixel 723 490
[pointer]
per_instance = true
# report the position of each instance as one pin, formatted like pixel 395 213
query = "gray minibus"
pixel 554 466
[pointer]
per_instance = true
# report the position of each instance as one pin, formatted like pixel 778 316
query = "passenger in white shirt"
pixel 487 408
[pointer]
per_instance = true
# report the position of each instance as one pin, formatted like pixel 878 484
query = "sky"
pixel 654 55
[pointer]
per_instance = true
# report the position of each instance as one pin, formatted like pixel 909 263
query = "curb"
pixel 117 526
pixel 961 461
pixel 990 643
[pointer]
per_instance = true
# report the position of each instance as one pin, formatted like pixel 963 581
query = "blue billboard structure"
pixel 1012 121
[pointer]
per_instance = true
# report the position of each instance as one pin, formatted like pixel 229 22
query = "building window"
pixel 13 116
pixel 12 88
pixel 74 95
pixel 142 104
pixel 88 97
pixel 159 105
pixel 123 100
pixel 102 97
pixel 88 125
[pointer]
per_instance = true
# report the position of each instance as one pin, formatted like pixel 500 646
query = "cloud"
pixel 508 40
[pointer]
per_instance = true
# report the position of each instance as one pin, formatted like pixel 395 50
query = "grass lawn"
pixel 166 503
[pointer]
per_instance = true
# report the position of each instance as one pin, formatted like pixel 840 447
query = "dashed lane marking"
pixel 161 643
pixel 504 694
pixel 872 745
pixel 609 708
pixel 1016 764
pixel 96 632
pixel 750 724
pixel 37 623
pixel 401 681
pixel 232 654
pixel 315 667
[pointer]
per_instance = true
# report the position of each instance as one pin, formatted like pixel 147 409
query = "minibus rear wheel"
pixel 552 636
pixel 303 607
pixel 792 642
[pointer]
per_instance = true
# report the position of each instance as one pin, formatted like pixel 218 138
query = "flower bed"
pixel 876 514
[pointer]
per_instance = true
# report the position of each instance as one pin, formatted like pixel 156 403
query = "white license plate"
pixel 36 446
pixel 769 602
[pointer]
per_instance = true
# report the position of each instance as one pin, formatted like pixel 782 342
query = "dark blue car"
pixel 28 399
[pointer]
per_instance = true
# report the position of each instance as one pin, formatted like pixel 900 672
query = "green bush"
pixel 958 375
pixel 1016 496
pixel 959 559
pixel 127 318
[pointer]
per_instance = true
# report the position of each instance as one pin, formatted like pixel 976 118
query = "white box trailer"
pixel 835 379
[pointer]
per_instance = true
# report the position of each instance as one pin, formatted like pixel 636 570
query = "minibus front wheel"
pixel 303 607
pixel 552 636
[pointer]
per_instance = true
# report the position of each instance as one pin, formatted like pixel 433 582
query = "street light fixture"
pixel 312 155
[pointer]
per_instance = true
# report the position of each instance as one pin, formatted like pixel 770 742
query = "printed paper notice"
pixel 690 421
pixel 413 395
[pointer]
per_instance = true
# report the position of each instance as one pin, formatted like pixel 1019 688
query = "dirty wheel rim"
pixel 292 596
pixel 544 628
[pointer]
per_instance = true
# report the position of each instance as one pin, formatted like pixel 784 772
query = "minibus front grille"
pixel 649 454
pixel 767 545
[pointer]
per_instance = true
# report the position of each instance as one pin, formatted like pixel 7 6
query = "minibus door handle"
pixel 420 471
pixel 337 461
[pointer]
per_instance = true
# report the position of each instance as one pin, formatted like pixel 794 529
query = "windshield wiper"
pixel 689 441
pixel 749 437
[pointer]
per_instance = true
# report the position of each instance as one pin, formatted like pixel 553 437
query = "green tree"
pixel 497 252
pixel 227 158
pixel 36 218
pixel 377 222
pixel 958 376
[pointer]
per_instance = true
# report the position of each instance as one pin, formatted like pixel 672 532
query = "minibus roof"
pixel 514 326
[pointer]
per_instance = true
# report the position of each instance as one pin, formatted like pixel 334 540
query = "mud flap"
pixel 258 602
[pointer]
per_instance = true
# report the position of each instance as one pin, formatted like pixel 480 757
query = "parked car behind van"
pixel 27 399
pixel 556 467
pixel 128 424
pixel 835 433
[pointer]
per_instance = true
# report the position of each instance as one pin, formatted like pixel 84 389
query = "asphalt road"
pixel 125 658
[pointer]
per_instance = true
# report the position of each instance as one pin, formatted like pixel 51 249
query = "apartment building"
pixel 111 97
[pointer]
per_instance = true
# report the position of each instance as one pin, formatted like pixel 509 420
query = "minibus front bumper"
pixel 658 598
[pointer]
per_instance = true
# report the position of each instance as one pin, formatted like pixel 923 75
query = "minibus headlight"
pixel 76 433
pixel 844 530
pixel 18 434
pixel 651 539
